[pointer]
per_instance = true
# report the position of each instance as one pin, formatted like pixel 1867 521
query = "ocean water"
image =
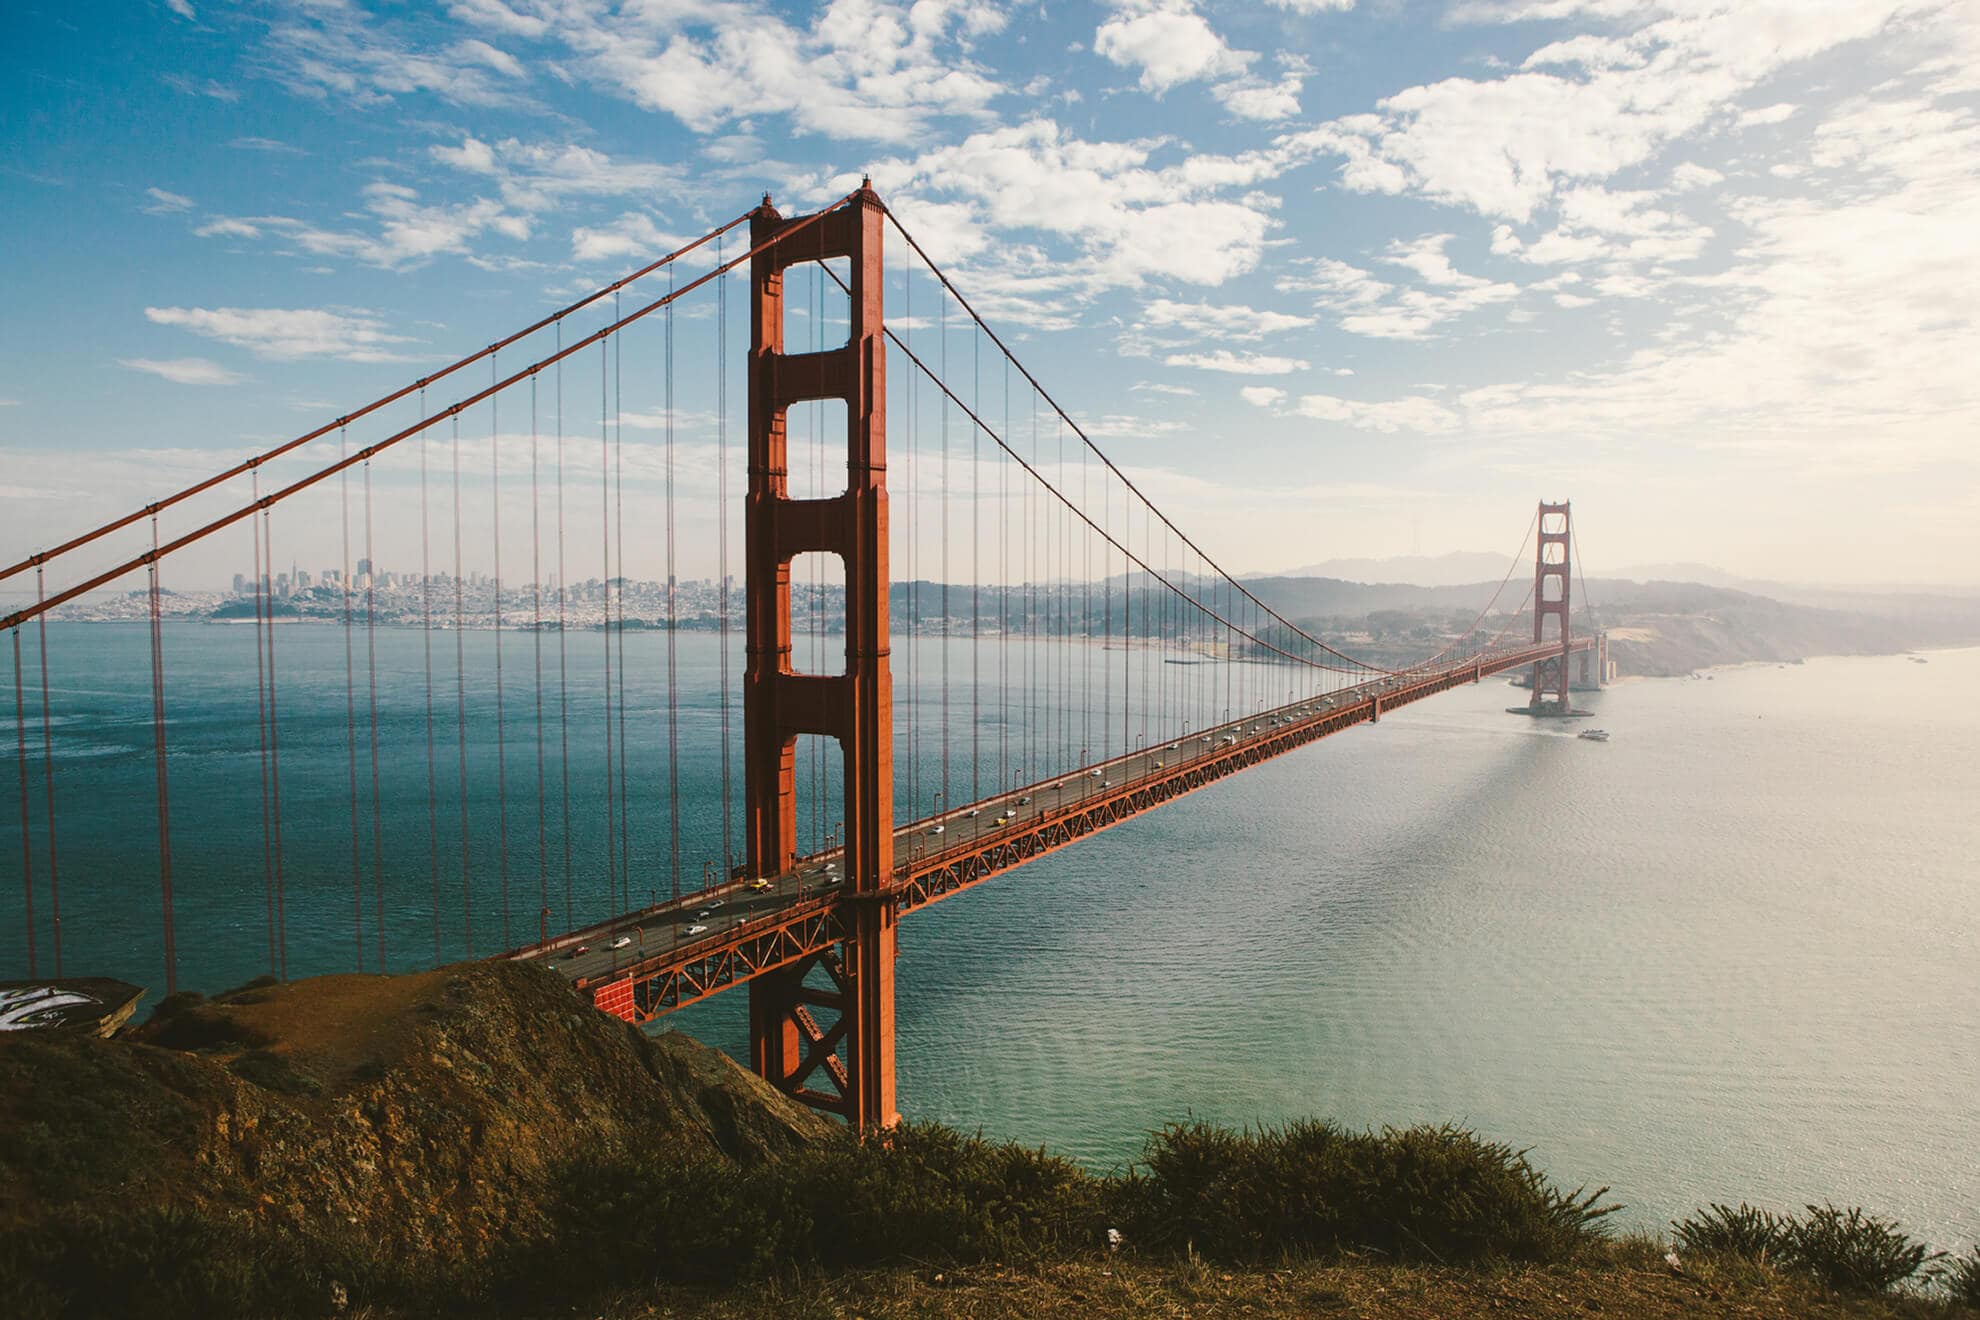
pixel 1733 953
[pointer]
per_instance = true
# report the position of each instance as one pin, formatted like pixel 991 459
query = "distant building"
pixel 240 584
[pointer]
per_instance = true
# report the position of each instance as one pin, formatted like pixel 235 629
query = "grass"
pixel 1434 1194
pixel 1846 1250
pixel 1308 1219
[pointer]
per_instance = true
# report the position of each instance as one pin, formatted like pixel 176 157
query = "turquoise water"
pixel 1733 953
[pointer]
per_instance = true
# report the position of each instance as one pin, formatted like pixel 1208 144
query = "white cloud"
pixel 1262 100
pixel 1770 114
pixel 408 233
pixel 1160 387
pixel 227 227
pixel 286 334
pixel 862 69
pixel 183 8
pixel 1501 146
pixel 1262 396
pixel 1131 219
pixel 1409 414
pixel 1239 364
pixel 183 371
pixel 1169 42
pixel 1689 175
pixel 166 203
pixel 1314 6
pixel 539 176
pixel 631 235
pixel 337 50
pixel 1378 309
pixel 1230 321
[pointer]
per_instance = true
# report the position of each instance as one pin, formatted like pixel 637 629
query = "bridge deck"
pixel 748 931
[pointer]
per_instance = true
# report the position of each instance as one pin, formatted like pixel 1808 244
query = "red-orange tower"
pixel 1550 600
pixel 787 1045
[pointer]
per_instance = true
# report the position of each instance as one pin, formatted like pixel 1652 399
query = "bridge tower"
pixel 788 1046
pixel 1551 577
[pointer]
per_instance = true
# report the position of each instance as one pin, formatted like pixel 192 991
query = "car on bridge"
pixel 696 929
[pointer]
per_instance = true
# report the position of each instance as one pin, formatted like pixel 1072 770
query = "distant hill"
pixel 1451 570
pixel 1657 627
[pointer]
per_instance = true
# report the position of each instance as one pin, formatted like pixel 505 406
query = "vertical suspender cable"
pixel 563 649
pixel 619 524
pixel 913 536
pixel 460 701
pixel 501 730
pixel 158 749
pixel 722 537
pixel 371 699
pixel 1004 599
pixel 605 600
pixel 817 578
pixel 942 321
pixel 350 699
pixel 275 758
pixel 48 774
pixel 975 572
pixel 426 641
pixel 673 681
pixel 536 645
pixel 261 725
pixel 27 848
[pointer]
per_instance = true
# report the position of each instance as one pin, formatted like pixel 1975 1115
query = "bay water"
pixel 1733 953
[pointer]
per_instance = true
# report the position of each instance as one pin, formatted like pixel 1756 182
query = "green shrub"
pixel 1963 1278
pixel 1853 1252
pixel 1745 1231
pixel 160 1261
pixel 919 1192
pixel 1435 1193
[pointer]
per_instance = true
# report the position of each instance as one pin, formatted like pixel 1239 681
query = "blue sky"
pixel 1331 277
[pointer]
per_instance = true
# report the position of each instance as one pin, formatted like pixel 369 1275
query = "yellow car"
pixel 758 885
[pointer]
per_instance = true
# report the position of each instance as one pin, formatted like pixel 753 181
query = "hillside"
pixel 474 1141
pixel 1656 628
pixel 428 1118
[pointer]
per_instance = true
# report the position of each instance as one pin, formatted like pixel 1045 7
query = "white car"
pixel 714 903
pixel 936 829
pixel 695 930
pixel 622 941
pixel 974 812
pixel 1096 774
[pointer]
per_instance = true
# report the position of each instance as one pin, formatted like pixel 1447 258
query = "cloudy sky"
pixel 1334 277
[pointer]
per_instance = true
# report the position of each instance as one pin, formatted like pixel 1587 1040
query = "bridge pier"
pixel 1551 587
pixel 846 1067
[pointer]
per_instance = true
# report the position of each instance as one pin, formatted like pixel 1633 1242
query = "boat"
pixel 1594 735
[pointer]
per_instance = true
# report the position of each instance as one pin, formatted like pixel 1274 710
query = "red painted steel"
pixel 856 707
pixel 1551 579
pixel 778 950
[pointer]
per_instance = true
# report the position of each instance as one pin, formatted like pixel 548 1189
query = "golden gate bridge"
pixel 1140 669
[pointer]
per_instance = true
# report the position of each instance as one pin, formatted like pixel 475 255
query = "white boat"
pixel 1594 735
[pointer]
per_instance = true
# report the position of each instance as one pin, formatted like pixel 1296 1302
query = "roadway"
pixel 719 914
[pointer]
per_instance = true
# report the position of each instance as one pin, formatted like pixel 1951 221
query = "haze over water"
pixel 1731 954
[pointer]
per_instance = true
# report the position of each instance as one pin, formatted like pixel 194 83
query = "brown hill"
pixel 428 1116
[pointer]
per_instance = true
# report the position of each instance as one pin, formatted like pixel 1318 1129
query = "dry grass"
pixel 1632 1282
pixel 331 1026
